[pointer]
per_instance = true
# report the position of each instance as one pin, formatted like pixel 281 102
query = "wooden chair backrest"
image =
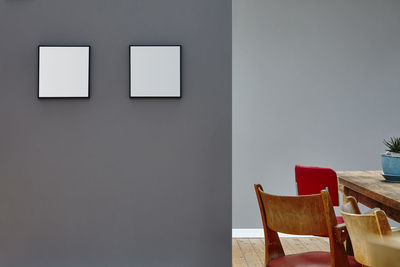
pixel 361 226
pixel 350 206
pixel 385 252
pixel 299 215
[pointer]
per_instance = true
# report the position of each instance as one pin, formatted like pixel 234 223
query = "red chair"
pixel 311 180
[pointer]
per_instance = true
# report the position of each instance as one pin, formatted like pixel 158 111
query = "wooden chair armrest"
pixel 341 233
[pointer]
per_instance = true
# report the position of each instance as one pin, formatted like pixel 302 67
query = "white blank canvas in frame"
pixel 64 71
pixel 155 71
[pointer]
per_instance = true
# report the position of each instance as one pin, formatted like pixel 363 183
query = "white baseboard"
pixel 248 233
pixel 256 233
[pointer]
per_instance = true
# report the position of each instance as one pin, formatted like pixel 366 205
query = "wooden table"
pixel 371 189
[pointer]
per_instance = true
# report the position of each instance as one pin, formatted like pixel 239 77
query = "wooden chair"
pixel 301 215
pixel 311 180
pixel 361 226
pixel 385 251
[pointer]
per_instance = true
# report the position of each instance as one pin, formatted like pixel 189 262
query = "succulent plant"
pixel 393 144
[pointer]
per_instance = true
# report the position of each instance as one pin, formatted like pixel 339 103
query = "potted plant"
pixel 391 159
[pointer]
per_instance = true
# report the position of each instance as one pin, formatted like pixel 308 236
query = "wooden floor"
pixel 250 252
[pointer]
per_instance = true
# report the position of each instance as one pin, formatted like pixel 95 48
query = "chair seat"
pixel 309 259
pixel 339 219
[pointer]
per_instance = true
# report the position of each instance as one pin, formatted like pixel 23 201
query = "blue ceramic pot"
pixel 391 164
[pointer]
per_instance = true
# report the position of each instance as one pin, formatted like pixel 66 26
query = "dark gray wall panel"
pixel 113 181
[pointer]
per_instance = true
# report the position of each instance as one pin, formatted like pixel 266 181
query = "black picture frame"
pixel 180 71
pixel 64 97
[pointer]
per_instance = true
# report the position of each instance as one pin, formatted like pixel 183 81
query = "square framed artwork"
pixel 64 71
pixel 155 71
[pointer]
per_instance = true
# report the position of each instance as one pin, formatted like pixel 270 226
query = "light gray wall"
pixel 314 82
pixel 113 181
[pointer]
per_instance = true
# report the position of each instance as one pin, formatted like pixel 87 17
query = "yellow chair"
pixel 361 226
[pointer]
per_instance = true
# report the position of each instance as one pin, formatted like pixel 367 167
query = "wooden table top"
pixel 373 185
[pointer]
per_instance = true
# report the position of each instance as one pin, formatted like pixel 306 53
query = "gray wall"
pixel 314 82
pixel 113 181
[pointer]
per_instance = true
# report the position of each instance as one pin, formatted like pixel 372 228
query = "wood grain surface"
pixel 371 189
